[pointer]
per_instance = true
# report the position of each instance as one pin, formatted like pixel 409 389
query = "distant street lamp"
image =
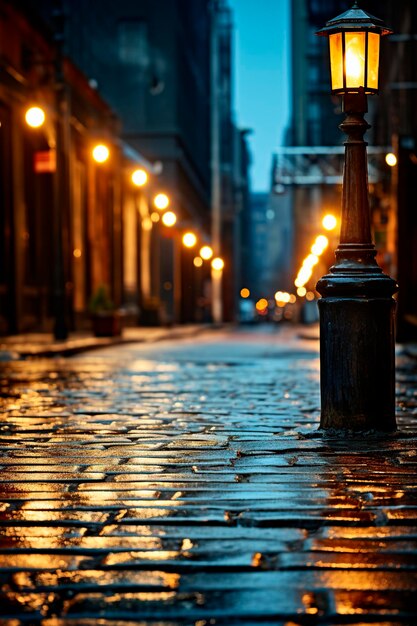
pixel 217 264
pixel 139 177
pixel 206 252
pixel 161 201
pixel 101 153
pixel 391 159
pixel 189 240
pixel 169 219
pixel 356 308
pixel 35 117
pixel 329 222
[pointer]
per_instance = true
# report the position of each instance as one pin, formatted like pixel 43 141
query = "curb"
pixel 8 353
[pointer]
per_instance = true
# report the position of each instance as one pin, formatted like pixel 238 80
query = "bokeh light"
pixel 101 153
pixel 169 219
pixel 391 159
pixel 189 240
pixel 206 253
pixel 147 223
pixel 261 305
pixel 329 222
pixel 161 201
pixel 35 117
pixel 139 178
pixel 217 264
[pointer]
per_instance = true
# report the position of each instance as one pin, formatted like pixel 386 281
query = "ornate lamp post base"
pixel 357 350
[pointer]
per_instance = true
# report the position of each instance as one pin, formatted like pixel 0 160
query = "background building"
pixel 60 212
pixel 138 76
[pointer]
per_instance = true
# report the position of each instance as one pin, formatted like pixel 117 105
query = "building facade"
pixel 138 77
pixel 153 62
pixel 60 213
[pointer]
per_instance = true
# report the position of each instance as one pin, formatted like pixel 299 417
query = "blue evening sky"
pixel 262 78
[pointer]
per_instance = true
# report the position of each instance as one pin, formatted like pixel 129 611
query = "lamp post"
pixel 356 309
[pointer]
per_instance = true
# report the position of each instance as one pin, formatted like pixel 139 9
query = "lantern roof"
pixel 355 19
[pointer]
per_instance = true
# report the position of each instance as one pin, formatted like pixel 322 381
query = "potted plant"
pixel 105 318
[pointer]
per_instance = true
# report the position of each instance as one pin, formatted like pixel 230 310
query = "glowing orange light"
pixel 217 264
pixel 206 253
pixel 198 261
pixel 282 297
pixel 169 219
pixel 101 153
pixel 155 217
pixel 161 201
pixel 262 304
pixel 319 245
pixel 189 240
pixel 244 293
pixel 139 178
pixel 322 241
pixel 147 223
pixel 35 117
pixel 329 222
pixel 301 291
pixel 391 159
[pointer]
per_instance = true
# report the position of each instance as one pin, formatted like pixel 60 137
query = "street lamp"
pixel 391 159
pixel 161 201
pixel 139 177
pixel 217 264
pixel 100 153
pixel 329 222
pixel 169 219
pixel 206 252
pixel 356 309
pixel 189 240
pixel 35 117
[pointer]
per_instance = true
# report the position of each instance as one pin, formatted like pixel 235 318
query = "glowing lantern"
pixel 354 42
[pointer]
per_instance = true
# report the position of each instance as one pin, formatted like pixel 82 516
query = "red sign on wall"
pixel 44 161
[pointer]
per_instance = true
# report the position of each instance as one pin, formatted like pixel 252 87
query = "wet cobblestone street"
pixel 186 483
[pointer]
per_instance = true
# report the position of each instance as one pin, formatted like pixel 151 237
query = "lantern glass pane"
pixel 373 60
pixel 355 60
pixel 336 60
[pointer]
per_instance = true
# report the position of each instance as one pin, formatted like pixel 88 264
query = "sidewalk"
pixel 44 345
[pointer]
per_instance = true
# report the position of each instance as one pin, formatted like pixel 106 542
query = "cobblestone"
pixel 186 483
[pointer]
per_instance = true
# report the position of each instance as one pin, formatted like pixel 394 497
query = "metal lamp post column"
pixel 356 309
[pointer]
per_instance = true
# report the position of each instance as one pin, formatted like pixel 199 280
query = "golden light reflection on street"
pixel 147 458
